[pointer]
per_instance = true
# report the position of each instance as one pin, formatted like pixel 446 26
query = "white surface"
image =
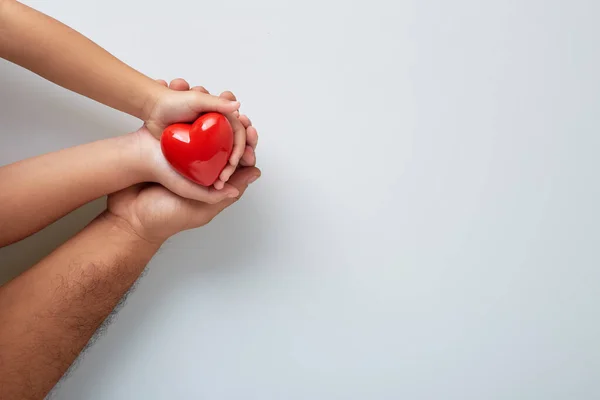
pixel 427 222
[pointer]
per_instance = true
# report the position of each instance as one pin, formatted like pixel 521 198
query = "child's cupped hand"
pixel 150 165
pixel 180 103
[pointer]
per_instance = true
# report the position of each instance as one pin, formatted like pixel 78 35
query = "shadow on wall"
pixel 18 257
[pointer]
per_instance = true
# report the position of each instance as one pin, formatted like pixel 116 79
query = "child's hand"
pixel 249 157
pixel 151 166
pixel 246 136
pixel 177 103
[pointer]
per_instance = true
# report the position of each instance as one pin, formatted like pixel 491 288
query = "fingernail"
pixel 233 194
pixel 253 179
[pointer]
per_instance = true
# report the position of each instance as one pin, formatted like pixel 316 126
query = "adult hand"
pixel 154 213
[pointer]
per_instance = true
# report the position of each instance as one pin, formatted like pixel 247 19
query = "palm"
pixel 156 213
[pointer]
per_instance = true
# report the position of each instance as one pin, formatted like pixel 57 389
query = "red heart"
pixel 199 151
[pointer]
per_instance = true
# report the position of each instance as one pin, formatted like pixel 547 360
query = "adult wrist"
pixel 125 232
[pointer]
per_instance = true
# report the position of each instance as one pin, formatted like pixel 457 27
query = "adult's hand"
pixel 49 313
pixel 154 213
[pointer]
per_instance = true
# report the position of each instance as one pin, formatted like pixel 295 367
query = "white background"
pixel 427 224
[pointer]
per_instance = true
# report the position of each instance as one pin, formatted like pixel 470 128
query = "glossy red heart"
pixel 199 151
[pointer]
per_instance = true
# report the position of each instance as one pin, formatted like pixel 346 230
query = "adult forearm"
pixel 58 53
pixel 49 313
pixel 38 191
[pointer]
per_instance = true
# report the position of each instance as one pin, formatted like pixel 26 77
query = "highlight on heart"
pixel 200 150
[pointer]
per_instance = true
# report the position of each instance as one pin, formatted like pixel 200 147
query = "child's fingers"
pixel 252 137
pixel 245 121
pixel 239 142
pixel 227 172
pixel 179 84
pixel 228 95
pixel 202 102
pixel 251 132
pixel 162 82
pixel 219 184
pixel 200 89
pixel 239 139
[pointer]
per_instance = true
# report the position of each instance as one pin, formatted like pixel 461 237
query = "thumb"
pixel 203 102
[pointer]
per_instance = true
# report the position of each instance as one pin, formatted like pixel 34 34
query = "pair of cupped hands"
pixel 164 202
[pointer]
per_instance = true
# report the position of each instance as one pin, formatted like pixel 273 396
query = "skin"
pixel 58 53
pixel 248 157
pixel 49 313
pixel 54 184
